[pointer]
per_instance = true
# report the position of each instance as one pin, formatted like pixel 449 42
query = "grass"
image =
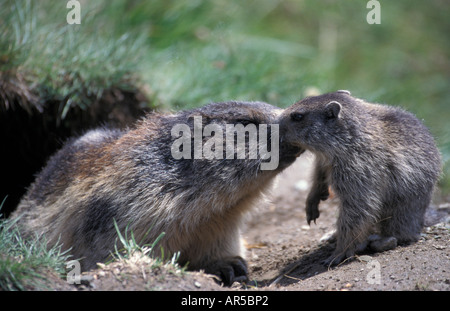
pixel 130 247
pixel 63 62
pixel 197 52
pixel 189 53
pixel 24 262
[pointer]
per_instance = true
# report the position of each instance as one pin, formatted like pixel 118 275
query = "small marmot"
pixel 381 162
pixel 151 179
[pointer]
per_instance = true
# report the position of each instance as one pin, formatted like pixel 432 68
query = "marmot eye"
pixel 297 116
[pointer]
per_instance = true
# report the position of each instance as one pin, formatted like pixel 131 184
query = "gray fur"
pixel 131 177
pixel 381 161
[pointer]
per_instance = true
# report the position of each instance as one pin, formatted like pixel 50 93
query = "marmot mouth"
pixel 289 150
pixel 300 153
pixel 288 154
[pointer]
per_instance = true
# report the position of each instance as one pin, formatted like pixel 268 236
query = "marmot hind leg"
pixel 405 221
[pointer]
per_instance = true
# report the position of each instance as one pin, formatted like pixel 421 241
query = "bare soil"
pixel 287 253
pixel 284 253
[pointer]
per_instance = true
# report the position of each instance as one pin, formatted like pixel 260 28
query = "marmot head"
pixel 316 123
pixel 239 131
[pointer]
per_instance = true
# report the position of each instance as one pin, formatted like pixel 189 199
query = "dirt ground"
pixel 284 253
pixel 287 253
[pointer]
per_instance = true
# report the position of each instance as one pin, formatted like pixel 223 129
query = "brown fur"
pixel 131 177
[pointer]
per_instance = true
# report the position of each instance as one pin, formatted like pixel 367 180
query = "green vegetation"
pixel 131 247
pixel 188 53
pixel 24 263
pixel 63 62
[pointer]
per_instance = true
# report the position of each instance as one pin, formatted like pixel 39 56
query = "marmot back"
pixel 381 161
pixel 132 177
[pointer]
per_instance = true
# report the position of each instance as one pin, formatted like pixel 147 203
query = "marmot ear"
pixel 332 109
pixel 344 91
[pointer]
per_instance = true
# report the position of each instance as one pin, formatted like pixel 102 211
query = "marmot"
pixel 139 178
pixel 381 162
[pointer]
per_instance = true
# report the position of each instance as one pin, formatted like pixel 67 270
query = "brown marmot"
pixel 381 162
pixel 167 174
